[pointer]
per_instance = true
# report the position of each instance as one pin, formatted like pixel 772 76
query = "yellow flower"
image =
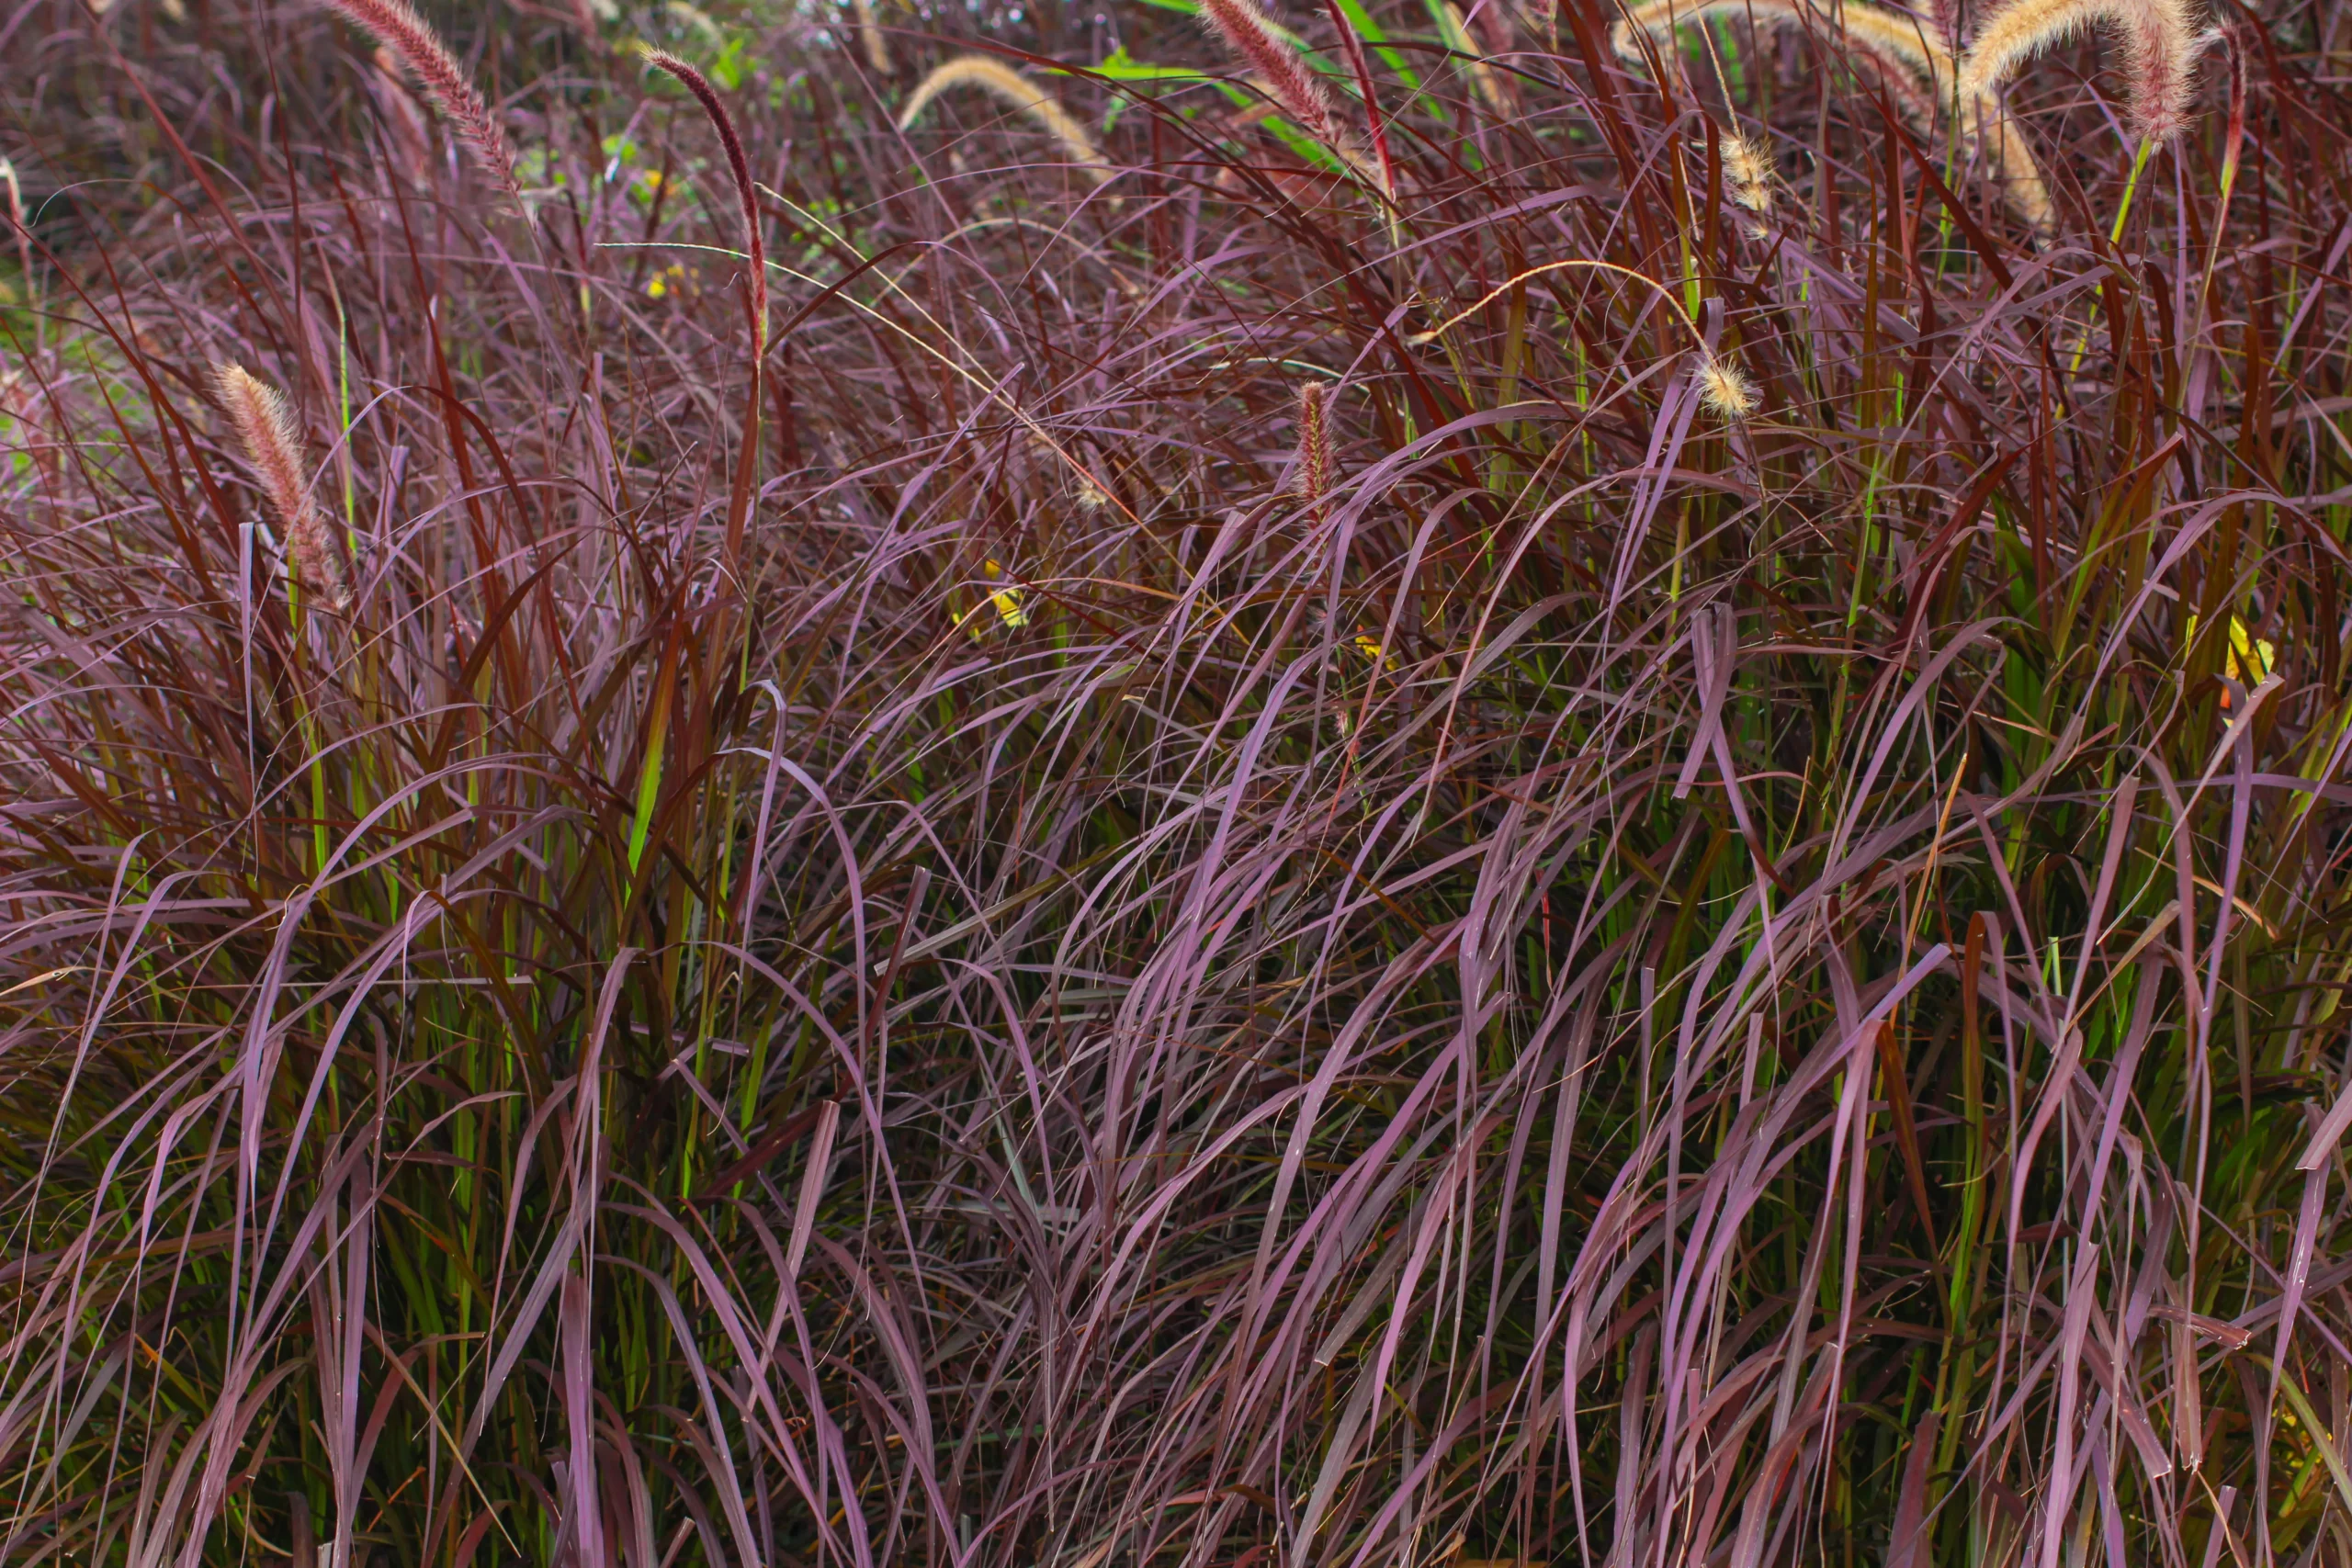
pixel 2250 658
pixel 1007 600
pixel 668 277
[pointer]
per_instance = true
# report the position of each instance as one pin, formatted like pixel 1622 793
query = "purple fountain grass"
pixel 1918 70
pixel 1618 944
pixel 1312 465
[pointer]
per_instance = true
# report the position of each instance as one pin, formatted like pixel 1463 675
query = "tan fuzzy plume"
pixel 696 20
pixel 2160 45
pixel 1748 170
pixel 869 33
pixel 1299 92
pixel 1724 389
pixel 395 24
pixel 266 432
pixel 1015 91
pixel 1919 71
pixel 1313 475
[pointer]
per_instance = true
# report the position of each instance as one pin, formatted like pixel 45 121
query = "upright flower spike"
pixel 739 167
pixel 2160 46
pixel 266 432
pixel 1313 475
pixel 395 24
pixel 1748 168
pixel 1015 91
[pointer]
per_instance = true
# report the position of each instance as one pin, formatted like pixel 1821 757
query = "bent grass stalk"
pixel 1017 92
pixel 718 647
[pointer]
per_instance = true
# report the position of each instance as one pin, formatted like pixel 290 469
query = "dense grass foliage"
pixel 960 927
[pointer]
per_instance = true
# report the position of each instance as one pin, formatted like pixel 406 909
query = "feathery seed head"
pixel 1748 170
pixel 1015 91
pixel 1724 389
pixel 1314 472
pixel 869 33
pixel 395 24
pixel 2160 47
pixel 1243 28
pixel 739 167
pixel 265 429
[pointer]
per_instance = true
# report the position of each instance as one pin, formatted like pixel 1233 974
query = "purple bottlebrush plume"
pixel 265 429
pixel 2160 47
pixel 1300 93
pixel 395 24
pixel 739 167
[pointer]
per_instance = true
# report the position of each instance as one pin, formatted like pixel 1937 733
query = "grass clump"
pixel 1625 845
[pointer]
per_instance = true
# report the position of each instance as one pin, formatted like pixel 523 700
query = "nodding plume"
pixel 1012 89
pixel 2160 46
pixel 739 167
pixel 266 432
pixel 395 24
pixel 1918 68
pixel 1313 475
pixel 1243 29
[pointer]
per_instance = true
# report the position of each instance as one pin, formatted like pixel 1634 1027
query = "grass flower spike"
pixel 739 167
pixel 1724 389
pixel 2160 44
pixel 1314 470
pixel 1015 91
pixel 395 24
pixel 1748 168
pixel 266 432
pixel 869 33
pixel 1300 93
